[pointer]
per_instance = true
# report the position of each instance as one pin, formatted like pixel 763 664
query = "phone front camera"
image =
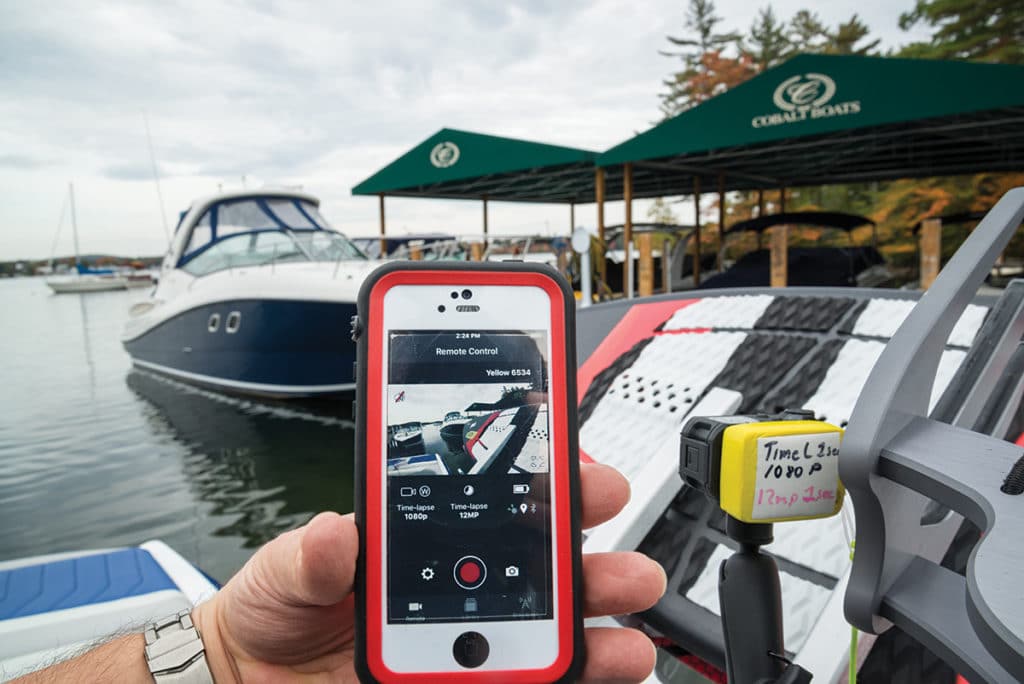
pixel 466 294
pixel 455 295
pixel 441 308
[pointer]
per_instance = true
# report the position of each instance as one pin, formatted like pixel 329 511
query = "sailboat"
pixel 85 279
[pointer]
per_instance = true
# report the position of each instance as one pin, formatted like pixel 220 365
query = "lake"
pixel 94 454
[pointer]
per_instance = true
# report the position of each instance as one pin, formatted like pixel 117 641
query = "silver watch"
pixel 175 653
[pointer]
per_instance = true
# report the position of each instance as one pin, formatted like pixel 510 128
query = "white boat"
pixel 406 435
pixel 87 282
pixel 255 296
pixel 84 279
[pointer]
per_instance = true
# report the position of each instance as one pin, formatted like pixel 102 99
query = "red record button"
pixel 470 572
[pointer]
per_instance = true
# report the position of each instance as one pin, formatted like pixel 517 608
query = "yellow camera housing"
pixel 779 471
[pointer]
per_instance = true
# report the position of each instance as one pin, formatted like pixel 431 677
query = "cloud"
pixel 23 161
pixel 320 94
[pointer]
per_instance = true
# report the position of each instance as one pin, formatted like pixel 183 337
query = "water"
pixel 94 454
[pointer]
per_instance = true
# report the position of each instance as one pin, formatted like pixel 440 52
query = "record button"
pixel 470 572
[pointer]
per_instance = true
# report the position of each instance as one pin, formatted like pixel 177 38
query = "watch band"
pixel 175 653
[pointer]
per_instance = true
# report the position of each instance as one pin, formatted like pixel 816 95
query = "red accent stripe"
pixel 638 324
pixel 375 468
pixel 1020 440
pixel 479 433
pixel 682 331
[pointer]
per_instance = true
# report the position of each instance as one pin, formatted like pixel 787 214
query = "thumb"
pixel 313 565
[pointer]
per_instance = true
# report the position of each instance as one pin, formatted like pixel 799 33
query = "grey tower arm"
pixel 896 462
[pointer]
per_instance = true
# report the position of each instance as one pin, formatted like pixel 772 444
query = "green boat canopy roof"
pixel 821 119
pixel 458 164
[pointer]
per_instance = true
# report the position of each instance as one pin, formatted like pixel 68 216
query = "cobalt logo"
pixel 444 154
pixel 802 97
pixel 804 92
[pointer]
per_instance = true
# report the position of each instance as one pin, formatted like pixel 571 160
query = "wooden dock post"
pixel 696 232
pixel 931 251
pixel 780 256
pixel 602 264
pixel 646 271
pixel 476 251
pixel 721 220
pixel 485 219
pixel 383 240
pixel 627 230
pixel 666 266
pixel 415 252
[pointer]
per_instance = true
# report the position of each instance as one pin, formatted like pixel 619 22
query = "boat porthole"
pixel 214 323
pixel 233 322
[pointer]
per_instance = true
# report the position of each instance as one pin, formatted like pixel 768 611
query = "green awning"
pixel 456 164
pixel 820 119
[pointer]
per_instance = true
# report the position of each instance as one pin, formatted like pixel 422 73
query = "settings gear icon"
pixel 427 573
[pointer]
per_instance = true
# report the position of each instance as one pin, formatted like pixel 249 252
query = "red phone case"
pixel 370 469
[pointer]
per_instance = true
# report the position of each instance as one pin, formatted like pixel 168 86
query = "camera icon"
pixel 511 571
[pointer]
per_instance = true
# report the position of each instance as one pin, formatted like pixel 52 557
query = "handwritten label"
pixel 797 476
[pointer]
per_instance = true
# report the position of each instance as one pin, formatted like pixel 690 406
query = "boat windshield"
pixel 262 230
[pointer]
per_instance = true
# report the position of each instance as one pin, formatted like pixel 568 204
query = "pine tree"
pixel 843 41
pixel 984 30
pixel 768 43
pixel 690 86
pixel 807 33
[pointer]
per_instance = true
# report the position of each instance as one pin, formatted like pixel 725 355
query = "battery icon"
pixel 407 491
pixel 520 489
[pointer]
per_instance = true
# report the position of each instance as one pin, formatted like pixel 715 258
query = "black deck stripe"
pixel 603 380
pixel 847 326
pixel 759 363
pixel 817 314
pixel 804 379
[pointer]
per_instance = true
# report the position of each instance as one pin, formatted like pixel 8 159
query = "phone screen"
pixel 468 468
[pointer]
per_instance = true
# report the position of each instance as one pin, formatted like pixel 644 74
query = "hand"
pixel 289 613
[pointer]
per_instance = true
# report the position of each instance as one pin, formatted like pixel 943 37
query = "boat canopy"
pixel 825 219
pixel 824 119
pixel 454 164
pixel 253 230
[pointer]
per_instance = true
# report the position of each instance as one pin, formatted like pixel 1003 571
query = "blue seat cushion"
pixel 74 582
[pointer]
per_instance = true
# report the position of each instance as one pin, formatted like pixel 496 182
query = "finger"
pixel 617 654
pixel 605 492
pixel 313 565
pixel 620 582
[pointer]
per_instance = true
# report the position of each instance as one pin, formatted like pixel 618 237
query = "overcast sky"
pixel 315 94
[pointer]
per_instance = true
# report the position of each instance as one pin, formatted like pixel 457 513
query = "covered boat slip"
pixel 813 120
pixel 823 119
pixel 454 164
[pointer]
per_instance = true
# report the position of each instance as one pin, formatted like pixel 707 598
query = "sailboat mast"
pixel 156 179
pixel 74 224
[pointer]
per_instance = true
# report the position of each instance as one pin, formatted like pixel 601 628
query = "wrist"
pixel 206 617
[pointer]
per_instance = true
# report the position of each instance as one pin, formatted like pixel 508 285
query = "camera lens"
pixel 441 308
pixel 466 294
pixel 455 295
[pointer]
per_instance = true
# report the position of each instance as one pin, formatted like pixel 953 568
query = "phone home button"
pixel 471 649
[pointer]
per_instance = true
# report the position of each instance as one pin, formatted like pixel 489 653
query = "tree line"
pixel 712 58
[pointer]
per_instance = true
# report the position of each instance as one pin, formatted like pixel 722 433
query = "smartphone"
pixel 467 475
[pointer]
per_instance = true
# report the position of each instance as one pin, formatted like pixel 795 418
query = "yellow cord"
pixel 853 636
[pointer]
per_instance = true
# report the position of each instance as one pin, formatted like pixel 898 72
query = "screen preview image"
pixel 468 462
